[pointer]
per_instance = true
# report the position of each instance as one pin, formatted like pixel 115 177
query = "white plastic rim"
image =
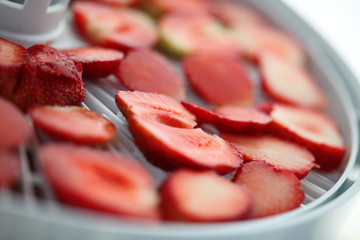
pixel 29 22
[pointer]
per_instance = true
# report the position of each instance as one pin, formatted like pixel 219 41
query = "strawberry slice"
pixel 74 124
pixel 157 74
pixel 153 105
pixel 159 7
pixel 14 129
pixel 170 147
pixel 203 115
pixel 253 40
pixel 118 185
pixel 289 83
pixel 279 153
pixel 218 78
pixel 192 196
pixel 275 191
pixel 239 119
pixel 313 130
pixel 12 57
pixel 234 13
pixel 119 28
pixel 182 34
pixel 96 62
pixel 48 77
pixel 116 3
pixel 9 169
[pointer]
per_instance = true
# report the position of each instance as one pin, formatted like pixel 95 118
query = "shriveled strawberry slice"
pixel 12 57
pixel 218 78
pixel 157 106
pixel 275 191
pixel 192 196
pixel 120 28
pixel 279 153
pixel 234 13
pixel 157 74
pixel 313 130
pixel 14 130
pixel 289 83
pixel 96 61
pixel 203 115
pixel 48 77
pixel 118 185
pixel 171 148
pixel 240 119
pixel 158 7
pixel 182 34
pixel 74 124
pixel 253 40
pixel 9 169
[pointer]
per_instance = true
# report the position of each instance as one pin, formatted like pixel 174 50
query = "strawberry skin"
pixel 157 74
pixel 9 169
pixel 171 147
pixel 48 77
pixel 279 153
pixel 192 196
pixel 313 130
pixel 14 129
pixel 153 105
pixel 96 62
pixel 74 124
pixel 119 185
pixel 12 57
pixel 275 191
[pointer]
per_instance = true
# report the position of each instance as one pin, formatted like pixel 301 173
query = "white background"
pixel 339 22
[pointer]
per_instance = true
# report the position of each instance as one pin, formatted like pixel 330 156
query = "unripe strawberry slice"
pixel 119 28
pixel 289 83
pixel 183 34
pixel 313 130
pixel 9 169
pixel 171 148
pixel 12 57
pixel 192 196
pixel 279 153
pixel 74 124
pixel 14 129
pixel 48 77
pixel 275 191
pixel 156 106
pixel 219 79
pixel 157 74
pixel 96 61
pixel 159 7
pixel 100 181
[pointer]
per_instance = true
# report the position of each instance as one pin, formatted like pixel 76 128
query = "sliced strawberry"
pixel 48 77
pixel 119 28
pixel 14 130
pixel 74 124
pixel 182 34
pixel 203 115
pixel 116 3
pixel 275 191
pixel 12 57
pixel 311 129
pixel 9 169
pixel 157 106
pixel 170 148
pixel 279 153
pixel 253 40
pixel 289 83
pixel 238 119
pixel 192 196
pixel 157 74
pixel 218 78
pixel 234 13
pixel 96 61
pixel 118 185
pixel 158 7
